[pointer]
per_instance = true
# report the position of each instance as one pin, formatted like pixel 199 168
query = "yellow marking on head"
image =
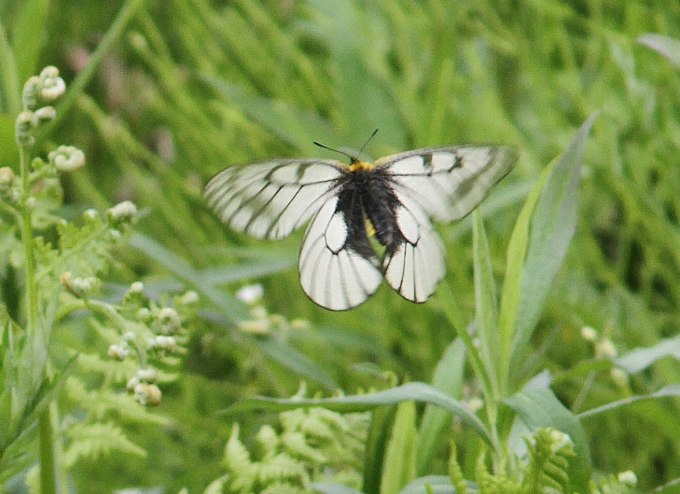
pixel 360 166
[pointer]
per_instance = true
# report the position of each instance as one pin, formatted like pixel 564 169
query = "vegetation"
pixel 145 346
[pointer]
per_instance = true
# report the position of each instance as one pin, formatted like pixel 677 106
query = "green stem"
pixel 48 473
pixel 27 239
pixel 479 369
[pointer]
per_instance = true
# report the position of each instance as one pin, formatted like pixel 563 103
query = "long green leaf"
pixel 641 358
pixel 382 419
pixel 448 378
pixel 485 301
pixel 292 359
pixel 416 391
pixel 400 460
pixel 672 390
pixel 10 89
pixel 664 45
pixel 552 227
pixel 175 264
pixel 298 128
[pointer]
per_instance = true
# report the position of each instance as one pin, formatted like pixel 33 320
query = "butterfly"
pixel 369 221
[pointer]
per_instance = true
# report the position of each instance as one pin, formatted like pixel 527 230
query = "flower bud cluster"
pixel 66 158
pixel 43 88
pixel 80 287
pixel 38 91
pixel 155 334
pixel 10 186
pixel 122 215
pixel 143 386
pixel 605 349
pixel 262 322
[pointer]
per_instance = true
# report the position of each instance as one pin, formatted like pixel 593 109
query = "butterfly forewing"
pixel 272 199
pixel 392 200
pixel 449 182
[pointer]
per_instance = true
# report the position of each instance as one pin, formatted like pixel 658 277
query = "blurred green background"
pixel 178 90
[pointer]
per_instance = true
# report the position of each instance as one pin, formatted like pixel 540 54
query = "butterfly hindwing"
pixel 415 267
pixel 272 199
pixel 332 273
pixel 448 182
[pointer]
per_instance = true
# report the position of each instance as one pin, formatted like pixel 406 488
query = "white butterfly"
pixel 353 206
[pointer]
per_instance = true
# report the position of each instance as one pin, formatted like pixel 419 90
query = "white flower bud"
pixel 118 352
pixel 559 440
pixel 606 348
pixel 80 287
pixel 45 114
pixel 169 320
pixel 67 158
pixel 147 394
pixel 125 211
pixel 619 377
pixel 90 214
pixel 628 478
pixel 588 333
pixel 6 176
pixel 250 294
pixel 49 72
pixel 147 375
pixel 53 86
pixel 167 343
pixel 132 383
pixel 136 287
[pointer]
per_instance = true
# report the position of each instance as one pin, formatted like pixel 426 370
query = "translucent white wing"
pixel 332 273
pixel 272 199
pixel 448 182
pixel 416 266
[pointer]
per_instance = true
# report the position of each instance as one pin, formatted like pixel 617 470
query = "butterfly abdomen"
pixel 367 195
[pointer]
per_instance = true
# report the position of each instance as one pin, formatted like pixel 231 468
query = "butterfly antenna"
pixel 367 141
pixel 353 159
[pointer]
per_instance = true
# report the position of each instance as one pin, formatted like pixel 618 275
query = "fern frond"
pixel 282 468
pixel 549 453
pixel 96 440
pixel 101 403
pixel 456 473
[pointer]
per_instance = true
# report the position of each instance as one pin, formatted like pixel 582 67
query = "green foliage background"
pixel 183 89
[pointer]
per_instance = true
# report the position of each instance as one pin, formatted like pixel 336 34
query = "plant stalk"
pixel 48 473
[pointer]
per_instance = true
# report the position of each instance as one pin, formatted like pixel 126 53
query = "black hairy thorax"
pixel 368 203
